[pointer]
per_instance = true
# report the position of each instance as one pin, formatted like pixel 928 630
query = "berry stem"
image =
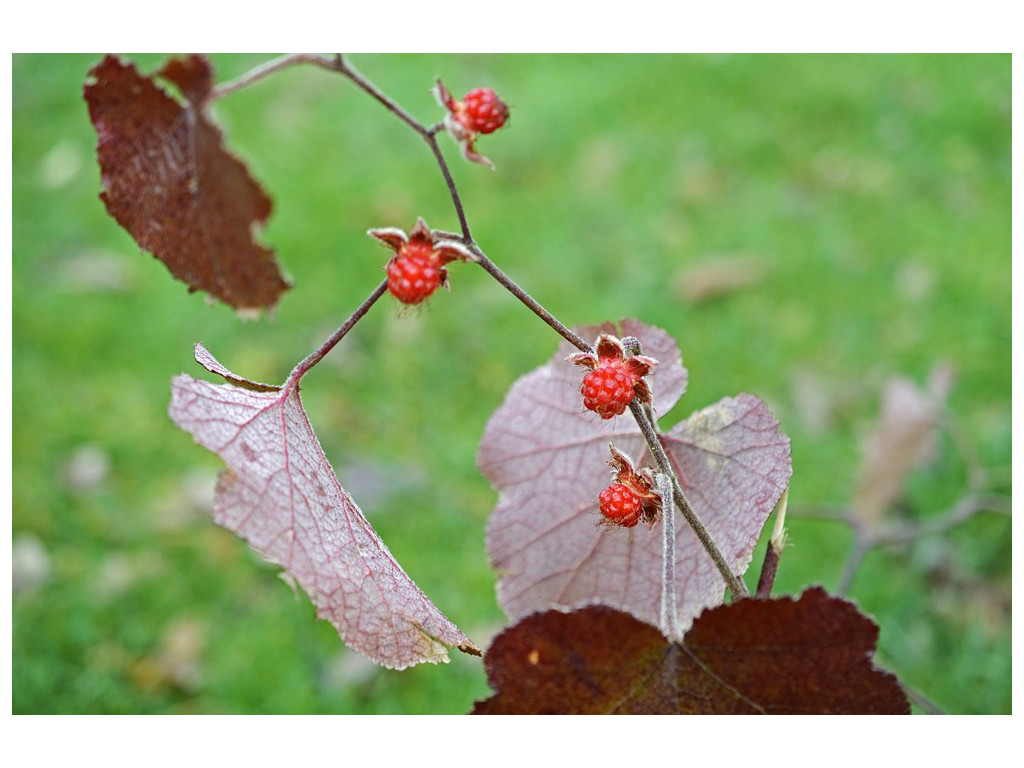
pixel 389 104
pixel 429 135
pixel 316 356
pixel 453 191
pixel 512 287
pixel 736 586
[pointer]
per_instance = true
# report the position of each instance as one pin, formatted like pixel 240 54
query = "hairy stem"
pixel 389 104
pixel 429 135
pixel 315 357
pixel 512 287
pixel 332 63
pixel 669 610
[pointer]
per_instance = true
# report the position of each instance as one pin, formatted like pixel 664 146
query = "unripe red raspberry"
pixel 621 505
pixel 608 389
pixel 412 277
pixel 614 379
pixel 417 268
pixel 483 111
pixel 631 497
pixel 479 112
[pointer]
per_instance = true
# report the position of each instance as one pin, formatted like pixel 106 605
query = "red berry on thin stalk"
pixel 483 111
pixel 614 379
pixel 411 278
pixel 417 268
pixel 479 112
pixel 608 389
pixel 631 497
pixel 621 505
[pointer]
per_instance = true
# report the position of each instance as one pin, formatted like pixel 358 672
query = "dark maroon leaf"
pixel 281 495
pixel 782 656
pixel 547 456
pixel 169 182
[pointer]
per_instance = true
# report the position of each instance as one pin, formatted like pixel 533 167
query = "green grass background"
pixel 874 190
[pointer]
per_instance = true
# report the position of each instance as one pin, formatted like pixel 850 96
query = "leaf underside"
pixel 281 495
pixel 547 456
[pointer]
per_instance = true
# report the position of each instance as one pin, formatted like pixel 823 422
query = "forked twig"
pixel 673 488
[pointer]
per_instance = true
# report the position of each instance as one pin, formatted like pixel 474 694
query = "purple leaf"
pixel 810 655
pixel 169 181
pixel 547 456
pixel 281 495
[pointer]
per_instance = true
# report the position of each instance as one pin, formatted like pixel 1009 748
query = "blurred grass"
pixel 874 192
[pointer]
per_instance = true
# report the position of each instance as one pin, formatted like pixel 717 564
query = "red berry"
pixel 608 389
pixel 414 273
pixel 621 505
pixel 483 111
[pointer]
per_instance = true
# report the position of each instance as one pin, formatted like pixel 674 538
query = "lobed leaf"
pixel 169 182
pixel 547 456
pixel 781 656
pixel 281 495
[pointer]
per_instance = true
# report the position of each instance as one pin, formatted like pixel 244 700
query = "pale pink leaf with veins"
pixel 547 456
pixel 733 463
pixel 281 495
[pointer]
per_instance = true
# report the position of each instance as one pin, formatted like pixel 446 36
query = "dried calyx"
pixel 631 497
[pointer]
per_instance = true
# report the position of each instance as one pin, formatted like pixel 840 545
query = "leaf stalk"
pixel 646 424
pixel 669 608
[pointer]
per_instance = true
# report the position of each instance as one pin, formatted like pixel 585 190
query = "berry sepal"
pixel 631 497
pixel 418 267
pixel 614 379
pixel 479 112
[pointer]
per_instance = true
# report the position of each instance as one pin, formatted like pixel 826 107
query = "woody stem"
pixel 317 355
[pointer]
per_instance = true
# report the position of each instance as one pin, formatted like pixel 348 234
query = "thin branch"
pixel 861 546
pixel 332 63
pixel 965 508
pixel 389 104
pixel 512 287
pixel 453 191
pixel 866 539
pixel 965 446
pixel 306 365
pixel 922 701
pixel 429 135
